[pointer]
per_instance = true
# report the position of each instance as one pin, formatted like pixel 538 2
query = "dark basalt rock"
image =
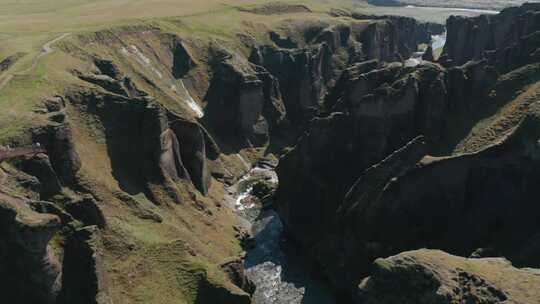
pixel 301 75
pixel 40 167
pixel 211 293
pixel 379 41
pixel 83 278
pixel 469 38
pixel 286 43
pixel 87 211
pixel 243 100
pixel 347 184
pixel 183 61
pixel 377 119
pixel 123 86
pixel 236 273
pixel 273 109
pixel 106 82
pixel 402 35
pixel 58 141
pixel 107 67
pixel 25 262
pixel 192 150
pixel 434 193
pixel 306 75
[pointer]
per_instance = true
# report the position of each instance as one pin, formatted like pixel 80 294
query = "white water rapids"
pixel 273 265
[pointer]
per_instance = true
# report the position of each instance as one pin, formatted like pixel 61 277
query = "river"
pixel 273 264
pixel 425 13
pixel 458 10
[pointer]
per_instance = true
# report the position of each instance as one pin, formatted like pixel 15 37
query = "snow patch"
pixel 184 93
pixel 140 58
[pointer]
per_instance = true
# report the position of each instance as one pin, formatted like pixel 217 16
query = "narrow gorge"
pixel 312 157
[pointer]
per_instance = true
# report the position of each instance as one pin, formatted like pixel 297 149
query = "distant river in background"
pixel 426 13
pixel 450 9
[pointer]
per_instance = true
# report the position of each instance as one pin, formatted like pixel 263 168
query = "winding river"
pixel 278 272
pixel 453 9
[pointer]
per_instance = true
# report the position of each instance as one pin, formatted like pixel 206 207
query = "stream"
pixel 273 265
pixel 437 42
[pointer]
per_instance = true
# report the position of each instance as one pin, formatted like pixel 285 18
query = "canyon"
pixel 301 159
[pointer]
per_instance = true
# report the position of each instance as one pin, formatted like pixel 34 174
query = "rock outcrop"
pixel 381 110
pixel 153 154
pixel 469 38
pixel 40 166
pixel 84 279
pixel 360 183
pixel 58 140
pixel 432 276
pixel 244 100
pixel 192 150
pixel 307 74
pixel 27 263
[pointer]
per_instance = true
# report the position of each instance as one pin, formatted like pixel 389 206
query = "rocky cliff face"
pixel 306 75
pixel 32 265
pixel 381 110
pixel 389 158
pixel 360 183
pixel 469 38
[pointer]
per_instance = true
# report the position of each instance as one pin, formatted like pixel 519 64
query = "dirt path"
pixel 45 50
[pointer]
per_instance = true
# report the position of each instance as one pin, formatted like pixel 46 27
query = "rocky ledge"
pixel 433 276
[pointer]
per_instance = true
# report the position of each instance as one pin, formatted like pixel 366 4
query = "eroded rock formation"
pixel 361 184
pixel 27 262
pixel 432 276
pixel 469 38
